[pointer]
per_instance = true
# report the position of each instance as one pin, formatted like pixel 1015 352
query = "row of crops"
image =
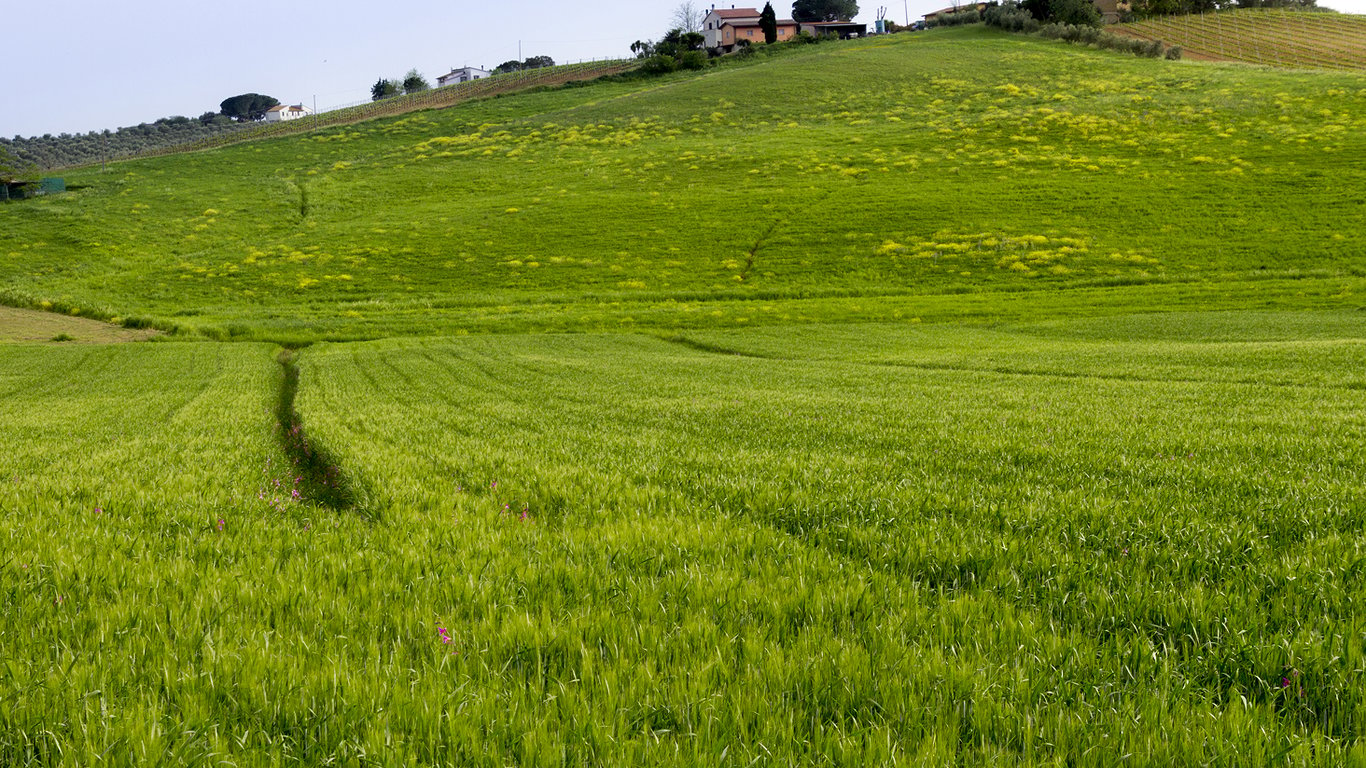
pixel 66 150
pixel 843 546
pixel 1263 36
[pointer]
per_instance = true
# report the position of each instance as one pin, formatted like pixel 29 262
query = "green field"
pixel 912 169
pixel 940 399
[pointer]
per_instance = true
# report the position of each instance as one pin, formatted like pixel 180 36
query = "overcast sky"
pixel 82 65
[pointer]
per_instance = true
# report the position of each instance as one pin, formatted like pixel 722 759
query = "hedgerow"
pixel 1012 18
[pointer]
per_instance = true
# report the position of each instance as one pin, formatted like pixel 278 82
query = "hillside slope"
pixel 1262 36
pixel 909 169
pixel 1078 528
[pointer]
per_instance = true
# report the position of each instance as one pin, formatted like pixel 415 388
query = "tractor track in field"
pixel 717 349
pixel 754 250
pixel 322 480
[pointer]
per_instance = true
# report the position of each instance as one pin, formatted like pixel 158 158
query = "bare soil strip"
pixel 33 325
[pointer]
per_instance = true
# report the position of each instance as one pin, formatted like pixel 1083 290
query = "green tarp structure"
pixel 20 190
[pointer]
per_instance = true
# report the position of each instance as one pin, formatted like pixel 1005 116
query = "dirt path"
pixel 32 325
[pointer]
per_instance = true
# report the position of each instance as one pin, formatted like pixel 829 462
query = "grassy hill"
pixel 1263 36
pixel 907 168
pixel 954 398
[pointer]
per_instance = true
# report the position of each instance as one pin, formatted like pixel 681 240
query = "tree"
pixel 385 88
pixel 768 22
pixel 1082 13
pixel 676 42
pixel 247 106
pixel 414 82
pixel 11 167
pixel 532 62
pixel 1078 12
pixel 688 17
pixel 824 10
pixel 643 49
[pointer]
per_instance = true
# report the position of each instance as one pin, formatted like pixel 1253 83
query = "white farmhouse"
pixel 282 112
pixel 462 75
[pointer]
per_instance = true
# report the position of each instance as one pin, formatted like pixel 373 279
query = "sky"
pixel 83 65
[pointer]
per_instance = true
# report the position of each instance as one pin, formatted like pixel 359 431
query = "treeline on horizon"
pixel 1052 18
pixel 1086 13
pixel 65 149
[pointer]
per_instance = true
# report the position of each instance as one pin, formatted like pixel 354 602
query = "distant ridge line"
pixel 435 98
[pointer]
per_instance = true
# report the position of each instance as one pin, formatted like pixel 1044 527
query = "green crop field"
pixel 952 398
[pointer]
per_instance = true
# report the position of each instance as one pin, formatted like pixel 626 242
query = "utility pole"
pixel 907 6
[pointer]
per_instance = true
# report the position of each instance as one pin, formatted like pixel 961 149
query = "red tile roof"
pixel 738 13
pixel 746 24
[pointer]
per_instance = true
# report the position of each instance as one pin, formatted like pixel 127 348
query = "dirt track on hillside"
pixel 32 325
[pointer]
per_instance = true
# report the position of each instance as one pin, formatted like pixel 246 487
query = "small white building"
pixel 282 112
pixel 462 75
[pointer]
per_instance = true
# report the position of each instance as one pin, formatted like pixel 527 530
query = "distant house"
pixel 462 75
pixel 725 29
pixel 733 32
pixel 1112 11
pixel 714 20
pixel 841 29
pixel 283 112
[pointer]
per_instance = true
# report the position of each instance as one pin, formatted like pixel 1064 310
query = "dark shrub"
pixel 970 16
pixel 693 60
pixel 658 65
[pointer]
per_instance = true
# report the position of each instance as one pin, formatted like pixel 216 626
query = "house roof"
pixel 744 24
pixel 737 13
pixel 277 108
